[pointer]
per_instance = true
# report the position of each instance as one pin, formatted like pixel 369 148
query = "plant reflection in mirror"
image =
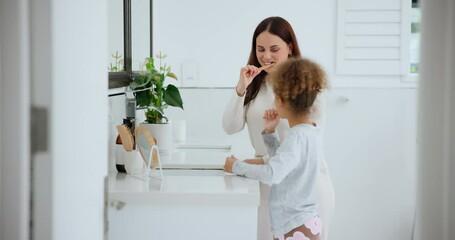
pixel 118 66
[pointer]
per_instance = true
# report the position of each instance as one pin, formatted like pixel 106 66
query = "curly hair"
pixel 298 81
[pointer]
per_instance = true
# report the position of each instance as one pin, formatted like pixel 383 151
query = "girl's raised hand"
pixel 271 120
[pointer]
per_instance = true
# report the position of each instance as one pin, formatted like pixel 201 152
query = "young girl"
pixel 295 162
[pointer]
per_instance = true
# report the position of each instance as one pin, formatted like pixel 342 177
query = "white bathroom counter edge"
pixel 218 190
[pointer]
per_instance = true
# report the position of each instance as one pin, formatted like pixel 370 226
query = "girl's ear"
pixel 279 101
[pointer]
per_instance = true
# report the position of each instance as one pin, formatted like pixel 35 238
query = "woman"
pixel 274 42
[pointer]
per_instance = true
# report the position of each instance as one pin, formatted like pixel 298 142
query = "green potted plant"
pixel 150 92
pixel 154 97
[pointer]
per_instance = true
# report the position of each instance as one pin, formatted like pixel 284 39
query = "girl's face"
pixel 271 49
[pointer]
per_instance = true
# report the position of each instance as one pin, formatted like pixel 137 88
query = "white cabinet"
pixel 187 204
pixel 141 222
pixel 370 146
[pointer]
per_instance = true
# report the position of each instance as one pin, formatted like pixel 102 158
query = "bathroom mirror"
pixel 129 29
pixel 115 36
pixel 140 32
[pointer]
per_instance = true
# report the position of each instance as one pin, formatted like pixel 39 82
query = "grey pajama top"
pixel 292 171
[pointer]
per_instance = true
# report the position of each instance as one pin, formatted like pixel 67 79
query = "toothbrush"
pixel 265 67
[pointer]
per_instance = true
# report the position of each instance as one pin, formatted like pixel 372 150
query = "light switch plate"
pixel 190 74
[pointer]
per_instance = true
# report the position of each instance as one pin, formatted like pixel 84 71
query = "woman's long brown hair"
pixel 277 26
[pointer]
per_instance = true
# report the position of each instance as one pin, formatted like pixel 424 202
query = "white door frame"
pixel 14 108
pixel 436 195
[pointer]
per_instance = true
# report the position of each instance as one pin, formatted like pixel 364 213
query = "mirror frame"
pixel 123 78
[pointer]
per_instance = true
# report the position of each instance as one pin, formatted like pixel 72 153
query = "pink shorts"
pixel 311 230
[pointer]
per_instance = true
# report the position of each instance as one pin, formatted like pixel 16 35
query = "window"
pixel 373 37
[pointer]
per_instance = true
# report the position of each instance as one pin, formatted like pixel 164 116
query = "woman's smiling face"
pixel 271 49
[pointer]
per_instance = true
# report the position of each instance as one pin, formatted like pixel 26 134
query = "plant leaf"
pixel 143 98
pixel 172 96
pixel 139 82
pixel 172 75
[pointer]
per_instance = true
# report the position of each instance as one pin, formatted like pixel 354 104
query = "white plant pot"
pixel 163 135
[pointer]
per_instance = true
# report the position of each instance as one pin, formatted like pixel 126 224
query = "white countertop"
pixel 185 187
pixel 192 176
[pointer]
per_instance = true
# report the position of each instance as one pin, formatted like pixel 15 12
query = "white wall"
pixel 68 46
pixel 216 35
pixel 79 39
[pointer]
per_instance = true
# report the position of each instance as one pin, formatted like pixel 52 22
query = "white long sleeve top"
pixel 236 116
pixel 293 172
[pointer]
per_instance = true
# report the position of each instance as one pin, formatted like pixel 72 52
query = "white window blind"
pixel 373 37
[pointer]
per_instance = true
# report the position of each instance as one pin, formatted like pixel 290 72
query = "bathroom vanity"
pixel 194 200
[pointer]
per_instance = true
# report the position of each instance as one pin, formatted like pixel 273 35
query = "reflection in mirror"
pixel 140 28
pixel 115 31
pixel 123 63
